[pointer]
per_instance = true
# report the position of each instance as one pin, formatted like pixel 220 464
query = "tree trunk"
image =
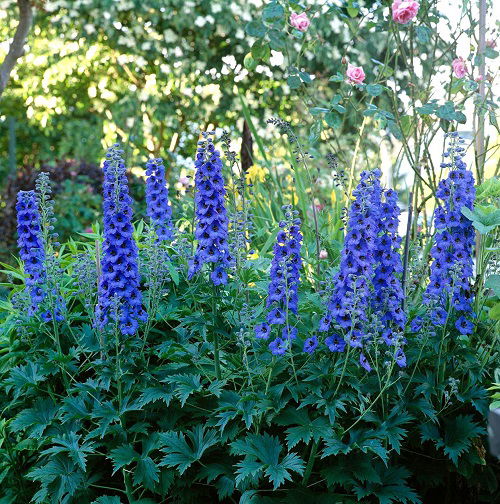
pixel 16 49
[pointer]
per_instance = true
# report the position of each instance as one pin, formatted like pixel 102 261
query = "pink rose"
pixel 323 254
pixel 355 75
pixel 459 68
pixel 300 21
pixel 403 11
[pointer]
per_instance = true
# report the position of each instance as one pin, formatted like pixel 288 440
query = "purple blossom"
pixel 452 267
pixel 30 243
pixel 158 208
pixel 211 217
pixel 119 297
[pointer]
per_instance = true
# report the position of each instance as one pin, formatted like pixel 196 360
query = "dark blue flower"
pixel 262 331
pixel 289 333
pixel 119 296
pixel 464 325
pixel 310 344
pixel 278 346
pixel 211 217
pixel 31 249
pixel 400 358
pixel 159 210
pixel 364 362
pixel 335 343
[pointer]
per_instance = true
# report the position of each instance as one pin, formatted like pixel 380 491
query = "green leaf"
pixel 174 273
pixel 318 110
pixel 338 77
pixel 179 453
pixel 493 283
pixel 122 456
pixel 262 453
pixel 153 394
pixel 423 34
pixel 255 29
pixel 260 50
pixel 333 120
pixel 69 443
pixel 459 433
pixel 146 473
pixel 374 89
pixel 294 82
pixel 494 312
pixel 491 53
pixel 273 12
pixel 277 40
pixel 184 385
pixel 427 108
pixel 315 131
pixel 249 62
pixel 38 418
pixel 352 8
pixel 484 219
pixel 394 129
pixel 107 500
pixel 305 77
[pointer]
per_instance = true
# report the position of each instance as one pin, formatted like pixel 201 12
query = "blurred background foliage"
pixel 153 73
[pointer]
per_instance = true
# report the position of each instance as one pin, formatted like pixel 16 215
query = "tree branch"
pixel 16 49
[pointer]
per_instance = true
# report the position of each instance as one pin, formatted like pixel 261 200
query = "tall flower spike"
pixel 351 295
pixel 388 290
pixel 282 296
pixel 452 267
pixel 31 248
pixel 211 217
pixel 159 211
pixel 119 297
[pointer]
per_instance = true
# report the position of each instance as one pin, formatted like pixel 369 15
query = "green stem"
pixel 310 463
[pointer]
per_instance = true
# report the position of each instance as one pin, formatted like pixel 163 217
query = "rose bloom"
pixel 323 254
pixel 300 21
pixel 403 11
pixel 355 75
pixel 459 68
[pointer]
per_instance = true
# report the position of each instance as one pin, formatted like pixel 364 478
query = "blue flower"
pixel 364 362
pixel 278 346
pixel 310 344
pixel 282 299
pixel 350 299
pixel 464 325
pixel 262 331
pixel 31 249
pixel 452 267
pixel 289 333
pixel 119 296
pixel 388 290
pixel 211 216
pixel 400 358
pixel 158 208
pixel 335 343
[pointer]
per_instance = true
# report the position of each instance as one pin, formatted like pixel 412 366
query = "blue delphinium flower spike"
pixel 158 208
pixel 31 248
pixel 211 216
pixel 119 296
pixel 452 267
pixel 282 298
pixel 351 295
